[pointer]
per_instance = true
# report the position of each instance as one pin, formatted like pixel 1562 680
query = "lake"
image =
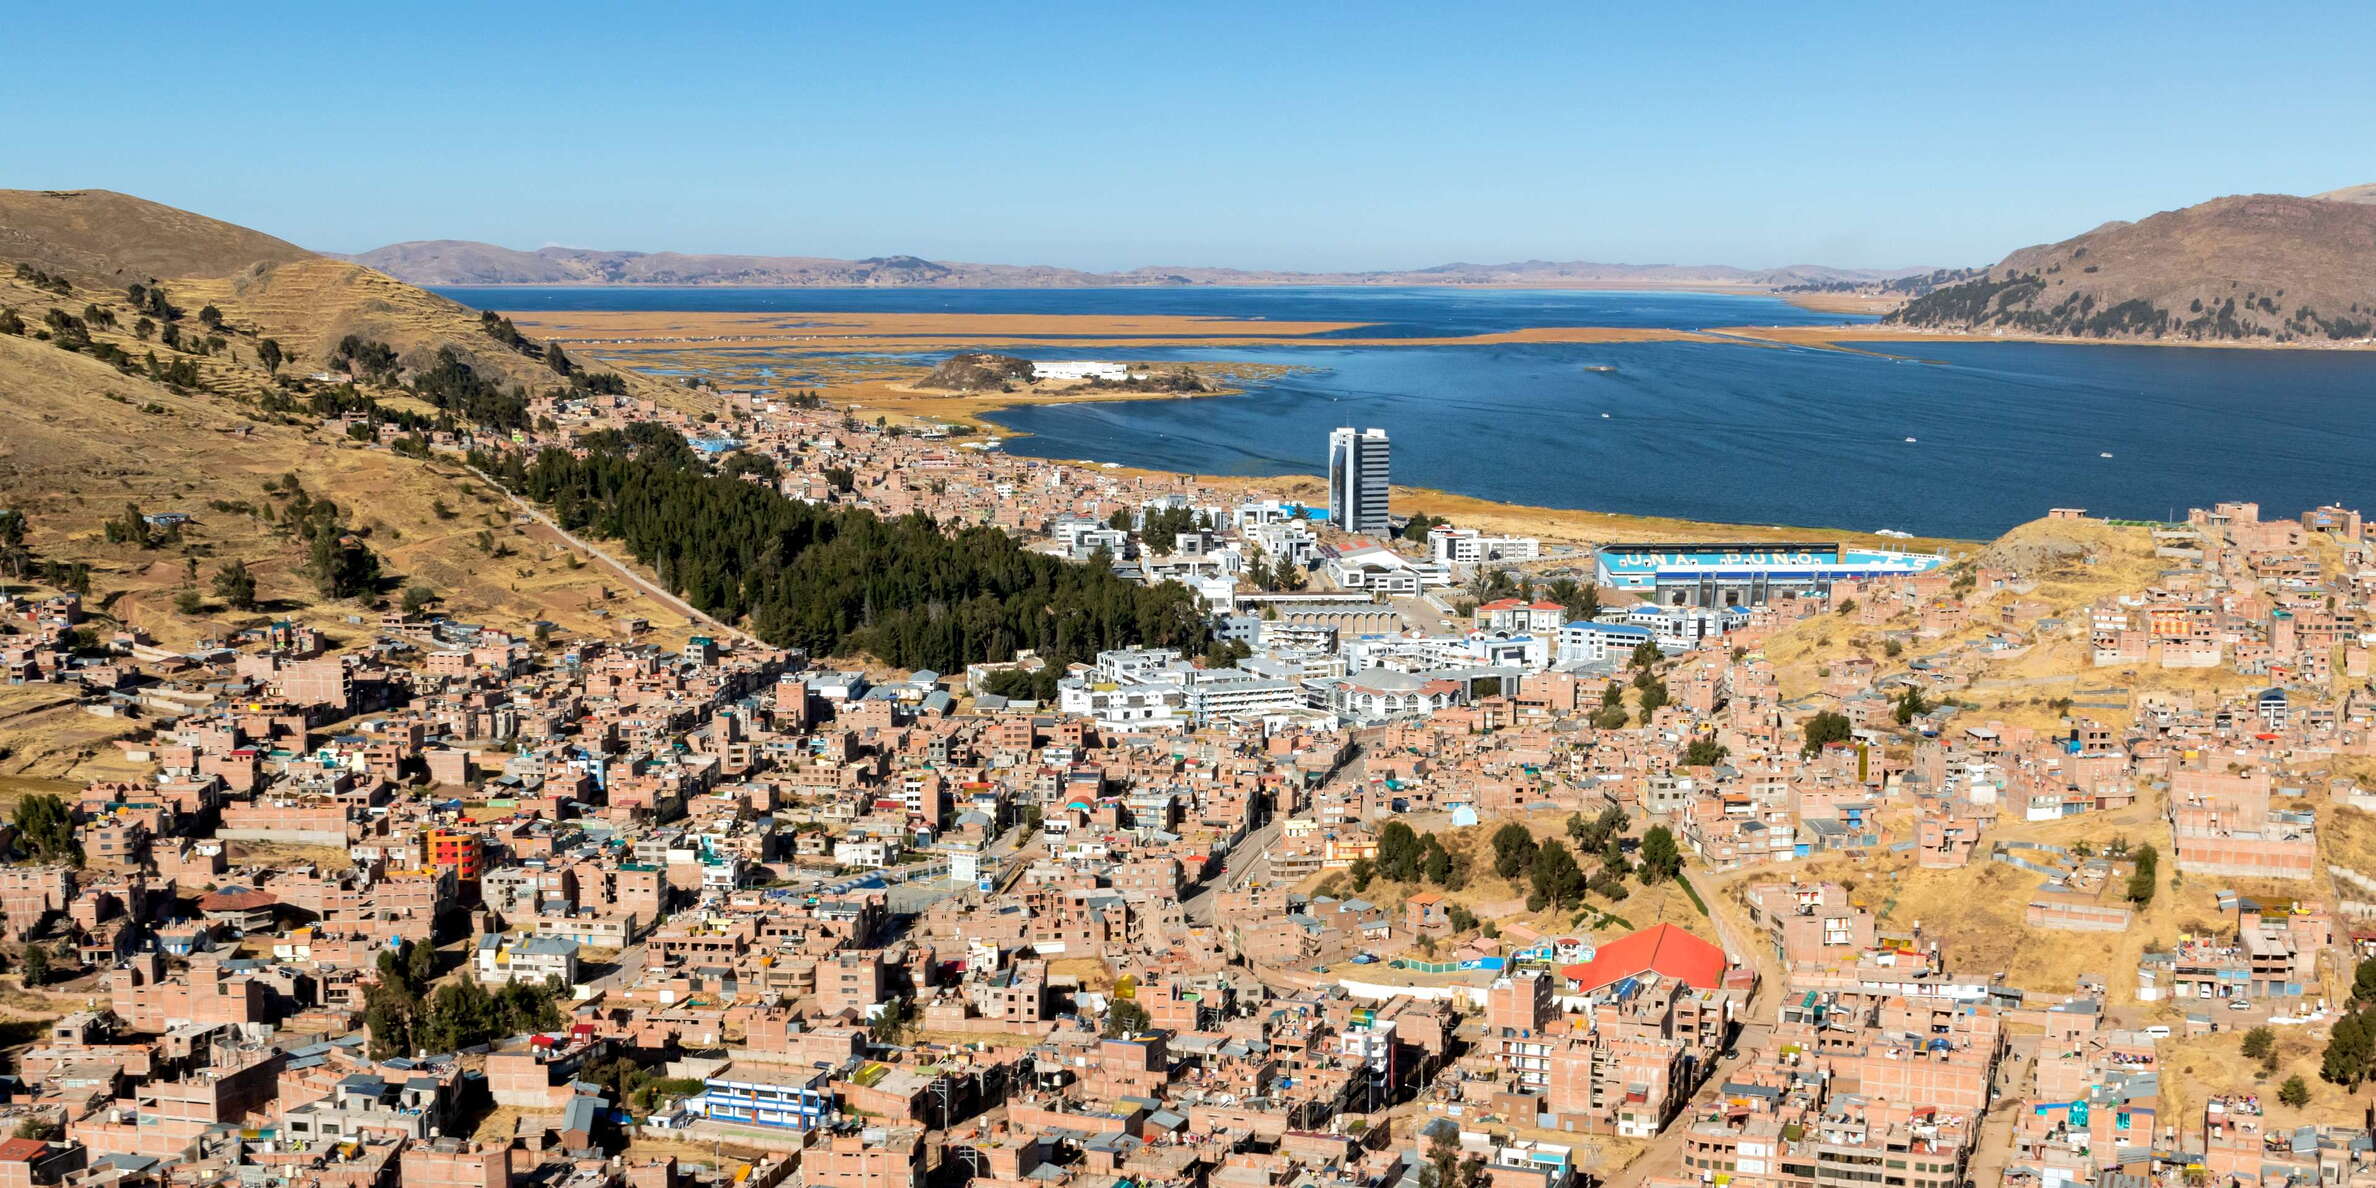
pixel 1710 431
pixel 1392 312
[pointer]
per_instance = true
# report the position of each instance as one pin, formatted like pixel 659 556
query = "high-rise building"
pixel 1359 462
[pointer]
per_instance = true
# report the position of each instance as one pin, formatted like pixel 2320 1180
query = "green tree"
pixel 129 528
pixel 1513 850
pixel 1911 705
pixel 891 1023
pixel 1661 858
pixel 1435 862
pixel 1825 728
pixel 2349 1046
pixel 1417 529
pixel 1442 1169
pixel 418 599
pixel 1594 834
pixel 36 966
pixel 2363 981
pixel 1645 654
pixel 1359 874
pixel 14 556
pixel 2141 884
pixel 1399 852
pixel 420 966
pixel 1555 875
pixel 45 829
pixel 2259 1043
pixel 1126 1017
pixel 268 352
pixel 236 586
pixel 341 564
pixel 1704 752
pixel 1654 695
pixel 2294 1092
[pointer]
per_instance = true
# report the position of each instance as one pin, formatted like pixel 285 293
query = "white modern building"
pixel 1746 574
pixel 1082 539
pixel 1467 546
pixel 1153 687
pixel 1360 467
pixel 1591 643
pixel 1234 695
pixel 1378 695
pixel 1381 570
pixel 532 959
pixel 1080 369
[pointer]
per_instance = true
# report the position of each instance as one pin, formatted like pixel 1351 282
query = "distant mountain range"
pixel 2247 268
pixel 461 262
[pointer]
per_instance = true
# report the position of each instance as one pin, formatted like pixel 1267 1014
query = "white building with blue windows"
pixel 781 1096
pixel 1750 574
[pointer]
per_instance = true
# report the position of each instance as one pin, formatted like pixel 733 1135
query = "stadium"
pixel 1720 575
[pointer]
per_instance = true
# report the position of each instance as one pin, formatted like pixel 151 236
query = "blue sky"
pixel 1112 135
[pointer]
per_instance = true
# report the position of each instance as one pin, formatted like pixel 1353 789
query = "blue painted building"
pixel 789 1098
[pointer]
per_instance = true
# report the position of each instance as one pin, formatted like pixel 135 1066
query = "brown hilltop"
pixel 109 238
pixel 2253 268
pixel 266 286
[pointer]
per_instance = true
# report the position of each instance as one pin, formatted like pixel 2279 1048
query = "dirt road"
pixel 657 592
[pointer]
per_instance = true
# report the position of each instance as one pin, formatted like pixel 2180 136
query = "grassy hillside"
pixel 98 413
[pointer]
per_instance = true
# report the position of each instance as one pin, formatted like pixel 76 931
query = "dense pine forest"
pixel 843 581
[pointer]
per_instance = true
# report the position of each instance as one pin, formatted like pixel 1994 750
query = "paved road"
pixel 1244 860
pixel 624 971
pixel 624 570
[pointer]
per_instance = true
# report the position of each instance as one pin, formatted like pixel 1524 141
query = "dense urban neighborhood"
pixel 1215 845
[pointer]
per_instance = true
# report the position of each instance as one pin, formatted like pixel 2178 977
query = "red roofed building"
pixel 27 1162
pixel 1665 950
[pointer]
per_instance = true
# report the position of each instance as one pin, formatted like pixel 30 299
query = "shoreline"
pixel 908 333
pixel 1848 303
pixel 1567 525
pixel 1563 525
pixel 1838 338
pixel 1579 285
pixel 902 398
pixel 826 335
pixel 658 332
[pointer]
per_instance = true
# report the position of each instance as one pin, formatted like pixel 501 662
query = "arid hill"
pixel 976 371
pixel 195 398
pixel 460 262
pixel 263 287
pixel 114 239
pixel 2251 268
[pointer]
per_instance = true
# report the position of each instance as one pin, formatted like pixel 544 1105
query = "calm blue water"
pixel 1742 434
pixel 1710 431
pixel 1390 312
